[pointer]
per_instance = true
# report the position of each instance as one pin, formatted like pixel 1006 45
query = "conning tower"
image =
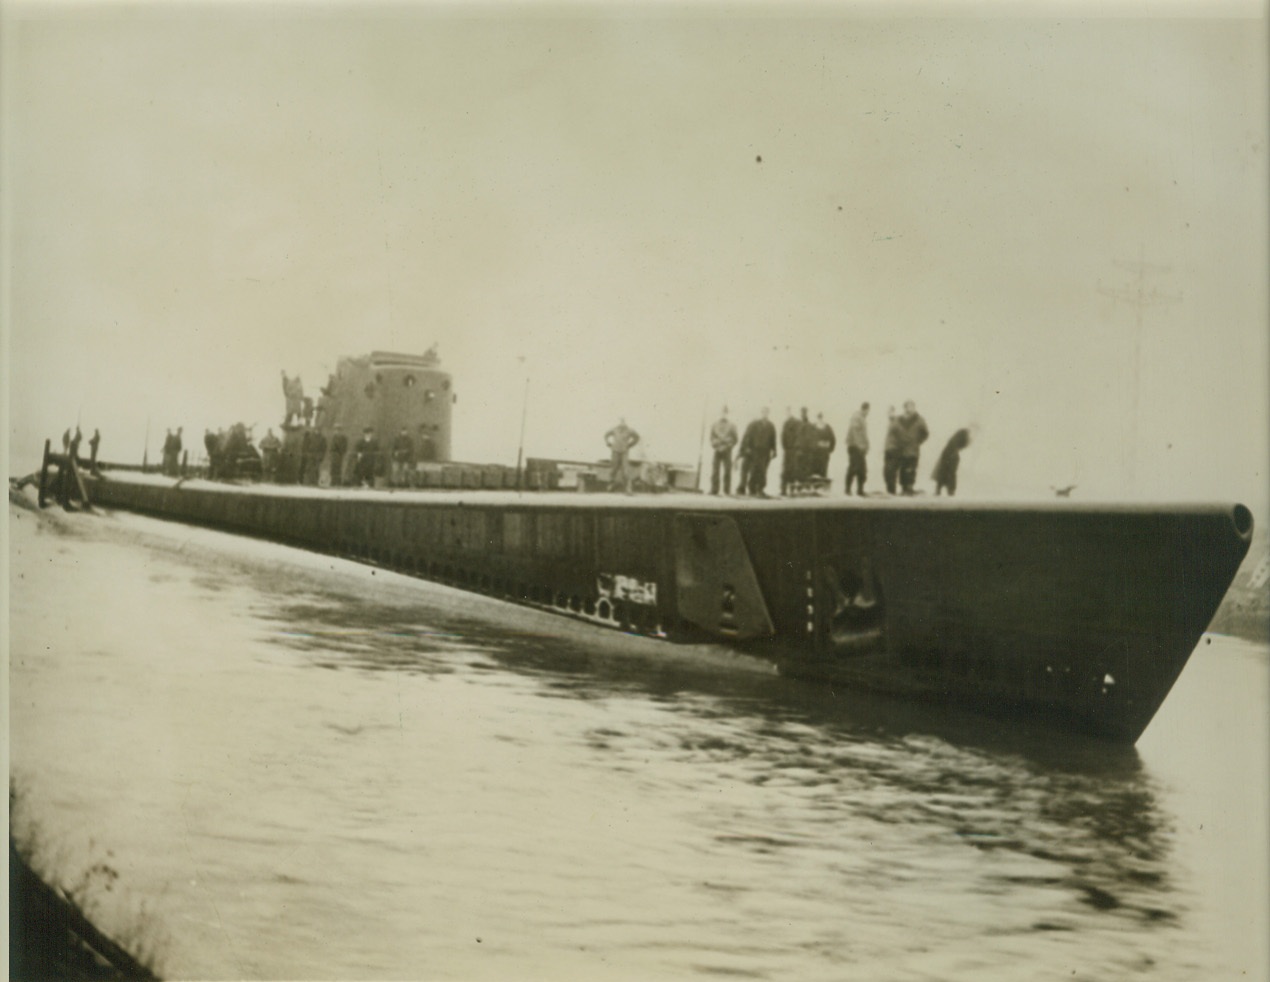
pixel 387 390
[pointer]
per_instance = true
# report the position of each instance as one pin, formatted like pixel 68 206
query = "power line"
pixel 1141 297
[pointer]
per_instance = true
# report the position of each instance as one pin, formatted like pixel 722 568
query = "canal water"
pixel 252 762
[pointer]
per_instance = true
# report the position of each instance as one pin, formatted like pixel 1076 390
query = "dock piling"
pixel 44 473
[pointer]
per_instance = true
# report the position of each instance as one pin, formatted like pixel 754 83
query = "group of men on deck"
pixel 406 453
pixel 754 455
pixel 230 453
pixel 807 446
pixel 298 457
pixel 70 446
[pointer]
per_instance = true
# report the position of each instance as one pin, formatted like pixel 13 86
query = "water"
pixel 258 763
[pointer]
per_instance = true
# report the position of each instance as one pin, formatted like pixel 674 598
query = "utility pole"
pixel 524 413
pixel 701 441
pixel 1141 297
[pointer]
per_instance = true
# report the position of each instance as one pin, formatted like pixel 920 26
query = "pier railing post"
pixel 44 474
pixel 79 482
pixel 63 483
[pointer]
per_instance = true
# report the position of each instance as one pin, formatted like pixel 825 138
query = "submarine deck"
pixel 683 500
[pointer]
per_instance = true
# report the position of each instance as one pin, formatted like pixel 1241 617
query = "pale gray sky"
pixel 198 196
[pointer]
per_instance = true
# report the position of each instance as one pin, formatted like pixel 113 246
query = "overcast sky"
pixel 654 211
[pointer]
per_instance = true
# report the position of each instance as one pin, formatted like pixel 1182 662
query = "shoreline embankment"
pixel 50 938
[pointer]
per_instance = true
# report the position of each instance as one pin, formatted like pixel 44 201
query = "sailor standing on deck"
pixel 290 461
pixel 722 438
pixel 403 457
pixel 317 451
pixel 620 439
pixel 804 448
pixel 339 447
pixel 211 443
pixel 789 446
pixel 912 434
pixel 891 451
pixel 93 444
pixel 945 473
pixel 270 447
pixel 759 447
pixel 306 455
pixel 858 449
pixel 743 474
pixel 366 451
pixel 323 409
pixel 293 393
pixel 172 452
pixel 826 443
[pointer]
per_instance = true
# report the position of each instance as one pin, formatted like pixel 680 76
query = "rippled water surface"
pixel 268 764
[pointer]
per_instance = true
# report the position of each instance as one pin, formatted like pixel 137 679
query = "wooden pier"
pixel 65 483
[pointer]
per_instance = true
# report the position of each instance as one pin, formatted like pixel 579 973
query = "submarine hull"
pixel 1081 616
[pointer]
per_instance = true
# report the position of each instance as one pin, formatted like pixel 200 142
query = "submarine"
pixel 1079 616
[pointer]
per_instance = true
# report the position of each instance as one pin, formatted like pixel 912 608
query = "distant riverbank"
pixel 1245 611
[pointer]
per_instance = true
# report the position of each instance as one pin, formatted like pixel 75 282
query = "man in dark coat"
pixel 759 447
pixel 238 456
pixel 857 449
pixel 93 444
pixel 912 433
pixel 339 447
pixel 804 447
pixel 367 453
pixel 306 452
pixel 891 452
pixel 291 459
pixel 826 442
pixel 270 447
pixel 403 458
pixel 945 473
pixel 790 429
pixel 316 452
